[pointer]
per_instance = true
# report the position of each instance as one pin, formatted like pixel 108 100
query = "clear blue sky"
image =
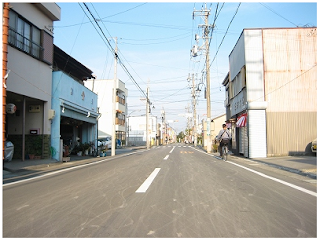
pixel 154 41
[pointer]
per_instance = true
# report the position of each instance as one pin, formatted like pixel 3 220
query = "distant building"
pixel 216 126
pixel 271 91
pixel 29 83
pixel 75 106
pixel 137 130
pixel 104 90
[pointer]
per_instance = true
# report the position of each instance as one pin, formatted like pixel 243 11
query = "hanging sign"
pixel 242 120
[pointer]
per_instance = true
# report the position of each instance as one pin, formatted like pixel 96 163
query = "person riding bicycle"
pixel 224 137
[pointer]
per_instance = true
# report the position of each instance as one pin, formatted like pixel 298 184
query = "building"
pixel 75 106
pixel 104 90
pixel 271 90
pixel 30 59
pixel 216 126
pixel 137 130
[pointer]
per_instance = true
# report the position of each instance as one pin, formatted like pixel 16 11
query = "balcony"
pixel 120 100
pixel 120 122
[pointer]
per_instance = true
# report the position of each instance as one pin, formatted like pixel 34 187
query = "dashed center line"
pixel 167 156
pixel 172 149
pixel 144 186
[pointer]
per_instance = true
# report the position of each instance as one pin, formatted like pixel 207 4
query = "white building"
pixel 29 83
pixel 137 130
pixel 104 90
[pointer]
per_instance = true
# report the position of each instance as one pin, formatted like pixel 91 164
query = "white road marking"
pixel 167 156
pixel 172 149
pixel 144 186
pixel 266 176
pixel 277 180
pixel 70 168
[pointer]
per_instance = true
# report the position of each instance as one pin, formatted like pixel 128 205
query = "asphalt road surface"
pixel 168 191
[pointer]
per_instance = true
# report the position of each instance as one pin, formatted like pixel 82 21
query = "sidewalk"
pixel 302 165
pixel 17 166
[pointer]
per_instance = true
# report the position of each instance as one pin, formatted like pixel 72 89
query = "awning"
pixel 242 120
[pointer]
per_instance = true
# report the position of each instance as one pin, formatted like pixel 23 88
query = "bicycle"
pixel 225 151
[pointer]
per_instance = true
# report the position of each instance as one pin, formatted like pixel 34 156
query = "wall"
pixel 291 79
pixel 37 16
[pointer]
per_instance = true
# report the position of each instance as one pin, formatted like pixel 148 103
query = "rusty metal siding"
pixel 290 60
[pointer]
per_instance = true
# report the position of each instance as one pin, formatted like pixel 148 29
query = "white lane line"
pixel 167 156
pixel 277 180
pixel 266 176
pixel 144 187
pixel 172 149
pixel 71 168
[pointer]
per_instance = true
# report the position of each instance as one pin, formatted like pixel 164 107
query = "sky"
pixel 154 40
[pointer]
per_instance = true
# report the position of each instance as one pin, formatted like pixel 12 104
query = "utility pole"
pixel 164 127
pixel 195 139
pixel 147 119
pixel 113 140
pixel 5 34
pixel 205 13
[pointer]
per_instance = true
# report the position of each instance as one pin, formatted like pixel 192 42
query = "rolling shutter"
pixel 257 133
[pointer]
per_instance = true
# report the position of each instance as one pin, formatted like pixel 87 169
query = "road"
pixel 168 191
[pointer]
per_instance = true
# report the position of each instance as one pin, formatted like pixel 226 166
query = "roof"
pixel 69 65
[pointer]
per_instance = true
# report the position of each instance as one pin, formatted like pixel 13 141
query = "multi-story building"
pixel 30 58
pixel 271 91
pixel 75 106
pixel 104 90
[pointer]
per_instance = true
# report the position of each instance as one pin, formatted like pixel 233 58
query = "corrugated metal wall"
pixel 290 133
pixel 290 60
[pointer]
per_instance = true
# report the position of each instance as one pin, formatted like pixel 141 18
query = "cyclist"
pixel 224 136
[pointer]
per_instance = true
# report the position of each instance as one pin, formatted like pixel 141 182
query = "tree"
pixel 181 136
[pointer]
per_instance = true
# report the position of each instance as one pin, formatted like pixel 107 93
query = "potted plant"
pixel 85 148
pixel 34 148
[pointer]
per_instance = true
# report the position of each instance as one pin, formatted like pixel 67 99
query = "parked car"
pixel 314 145
pixel 105 142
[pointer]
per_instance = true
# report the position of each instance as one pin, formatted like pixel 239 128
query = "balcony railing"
pixel 120 100
pixel 120 122
pixel 24 44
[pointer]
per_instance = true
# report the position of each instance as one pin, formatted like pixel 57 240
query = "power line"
pixel 112 50
pixel 278 14
pixel 225 34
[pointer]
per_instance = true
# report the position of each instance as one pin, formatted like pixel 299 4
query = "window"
pixel 28 38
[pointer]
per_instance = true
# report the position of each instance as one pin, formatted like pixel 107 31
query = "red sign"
pixel 242 120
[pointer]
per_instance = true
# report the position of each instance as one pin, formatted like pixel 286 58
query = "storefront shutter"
pixel 257 133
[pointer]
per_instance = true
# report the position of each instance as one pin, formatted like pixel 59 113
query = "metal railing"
pixel 24 44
